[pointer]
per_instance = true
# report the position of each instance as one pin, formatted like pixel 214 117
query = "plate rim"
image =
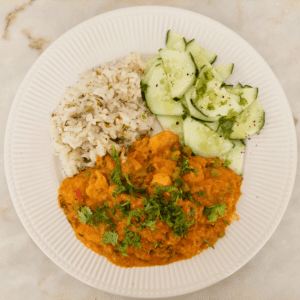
pixel 39 61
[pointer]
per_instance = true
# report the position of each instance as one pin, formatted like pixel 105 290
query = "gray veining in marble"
pixel 272 27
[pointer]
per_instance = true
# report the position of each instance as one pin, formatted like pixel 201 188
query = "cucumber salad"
pixel 189 96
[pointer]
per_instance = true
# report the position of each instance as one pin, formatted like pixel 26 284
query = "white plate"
pixel 33 181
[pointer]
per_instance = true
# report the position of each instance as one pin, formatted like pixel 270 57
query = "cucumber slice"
pixel 180 69
pixel 215 101
pixel 247 95
pixel 227 87
pixel 200 54
pixel 187 101
pixel 178 46
pixel 150 62
pixel 172 38
pixel 224 71
pixel 172 123
pixel 247 86
pixel 238 86
pixel 212 125
pixel 158 95
pixel 250 121
pixel 203 141
pixel 236 156
pixel 147 75
pixel 202 117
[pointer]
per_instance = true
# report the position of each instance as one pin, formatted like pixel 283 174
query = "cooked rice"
pixel 102 109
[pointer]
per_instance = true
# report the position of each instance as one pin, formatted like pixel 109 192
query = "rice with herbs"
pixel 102 109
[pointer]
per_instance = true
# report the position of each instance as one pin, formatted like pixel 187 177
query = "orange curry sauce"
pixel 151 234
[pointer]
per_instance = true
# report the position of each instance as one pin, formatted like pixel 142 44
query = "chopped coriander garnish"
pixel 85 214
pixel 178 181
pixel 226 123
pixel 116 177
pixel 203 193
pixel 116 173
pixel 100 216
pixel 207 242
pixel 185 167
pixel 136 212
pixel 131 188
pixel 124 207
pixel 131 238
pixel 149 223
pixel 243 101
pixel 161 189
pixel 144 87
pixel 167 211
pixel 110 237
pixel 226 163
pixel 192 213
pixel 144 115
pixel 210 106
pixel 213 211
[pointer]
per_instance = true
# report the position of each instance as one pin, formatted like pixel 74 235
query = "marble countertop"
pixel 271 27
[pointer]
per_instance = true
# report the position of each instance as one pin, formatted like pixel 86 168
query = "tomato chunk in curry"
pixel 157 205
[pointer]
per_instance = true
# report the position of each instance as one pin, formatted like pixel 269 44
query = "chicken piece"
pixel 162 141
pixel 98 187
pixel 130 165
pixel 161 179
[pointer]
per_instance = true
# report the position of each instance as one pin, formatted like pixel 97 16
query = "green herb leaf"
pixel 124 207
pixel 100 216
pixel 131 188
pixel 161 189
pixel 192 213
pixel 213 211
pixel 149 223
pixel 116 173
pixel 226 163
pixel 210 106
pixel 131 238
pixel 110 237
pixel 202 90
pixel 144 115
pixel 85 214
pixel 144 87
pixel 136 212
pixel 203 194
pixel 207 242
pixel 243 101
pixel 185 167
pixel 232 114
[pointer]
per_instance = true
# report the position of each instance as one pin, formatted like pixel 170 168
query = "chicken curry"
pixel 153 206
